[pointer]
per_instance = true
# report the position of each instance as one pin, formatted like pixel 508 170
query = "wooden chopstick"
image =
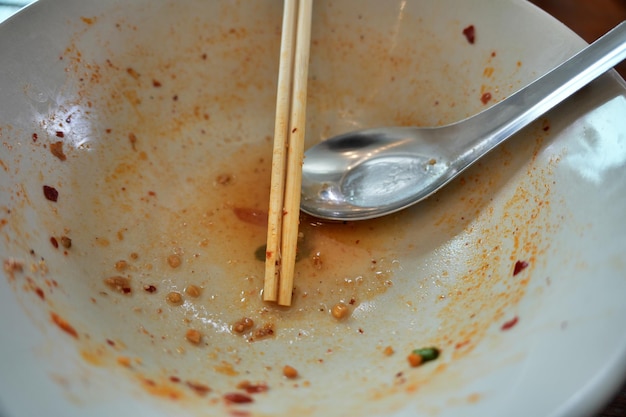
pixel 281 126
pixel 284 219
pixel 295 153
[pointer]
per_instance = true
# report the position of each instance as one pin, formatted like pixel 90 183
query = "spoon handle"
pixel 496 124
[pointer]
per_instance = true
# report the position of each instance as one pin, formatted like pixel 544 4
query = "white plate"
pixel 164 110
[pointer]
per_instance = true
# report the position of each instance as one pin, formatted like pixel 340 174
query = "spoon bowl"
pixel 370 173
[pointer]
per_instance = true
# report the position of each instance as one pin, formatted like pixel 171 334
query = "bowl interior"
pixel 136 158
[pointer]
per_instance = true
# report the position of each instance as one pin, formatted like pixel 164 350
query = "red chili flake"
pixel 156 83
pixel 35 137
pixel 253 388
pixel 175 379
pixel 462 344
pixel 470 34
pixel 149 288
pixel 519 267
pixel 485 98
pixel 133 140
pixel 132 73
pixel 54 242
pixel 40 293
pixel 509 324
pixel 237 398
pixel 59 134
pixel 63 325
pixel 294 130
pixel 50 193
pixel 110 342
pixel 199 388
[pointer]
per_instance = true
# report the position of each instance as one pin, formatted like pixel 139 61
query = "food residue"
pixel 388 351
pixel 174 298
pixel 119 284
pixel 237 398
pixel 470 34
pixel 243 325
pixel 216 215
pixel 340 311
pixel 193 336
pixel 510 324
pixel 50 193
pixel 267 330
pixel 251 388
pixel 66 242
pixel 56 149
pixel 420 356
pixel 193 291
pixel 198 388
pixel 63 325
pixel 174 261
pixel 290 372
pixel 519 267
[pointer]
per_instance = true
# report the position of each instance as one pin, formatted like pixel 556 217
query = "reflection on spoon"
pixel 371 173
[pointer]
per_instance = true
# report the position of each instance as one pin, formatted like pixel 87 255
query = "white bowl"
pixel 152 120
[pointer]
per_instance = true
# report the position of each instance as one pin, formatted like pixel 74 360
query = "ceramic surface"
pixel 135 153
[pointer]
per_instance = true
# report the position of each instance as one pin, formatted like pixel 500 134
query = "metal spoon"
pixel 371 173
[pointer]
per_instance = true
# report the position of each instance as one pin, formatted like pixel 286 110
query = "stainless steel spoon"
pixel 371 173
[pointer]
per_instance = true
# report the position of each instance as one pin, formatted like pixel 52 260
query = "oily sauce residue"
pixel 180 203
pixel 174 173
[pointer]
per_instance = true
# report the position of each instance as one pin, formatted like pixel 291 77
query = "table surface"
pixel 589 18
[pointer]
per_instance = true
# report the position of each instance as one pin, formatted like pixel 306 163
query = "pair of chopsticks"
pixel 288 152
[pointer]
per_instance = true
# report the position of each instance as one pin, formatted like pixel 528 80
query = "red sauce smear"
pixel 251 216
pixel 510 324
pixel 470 34
pixel 519 267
